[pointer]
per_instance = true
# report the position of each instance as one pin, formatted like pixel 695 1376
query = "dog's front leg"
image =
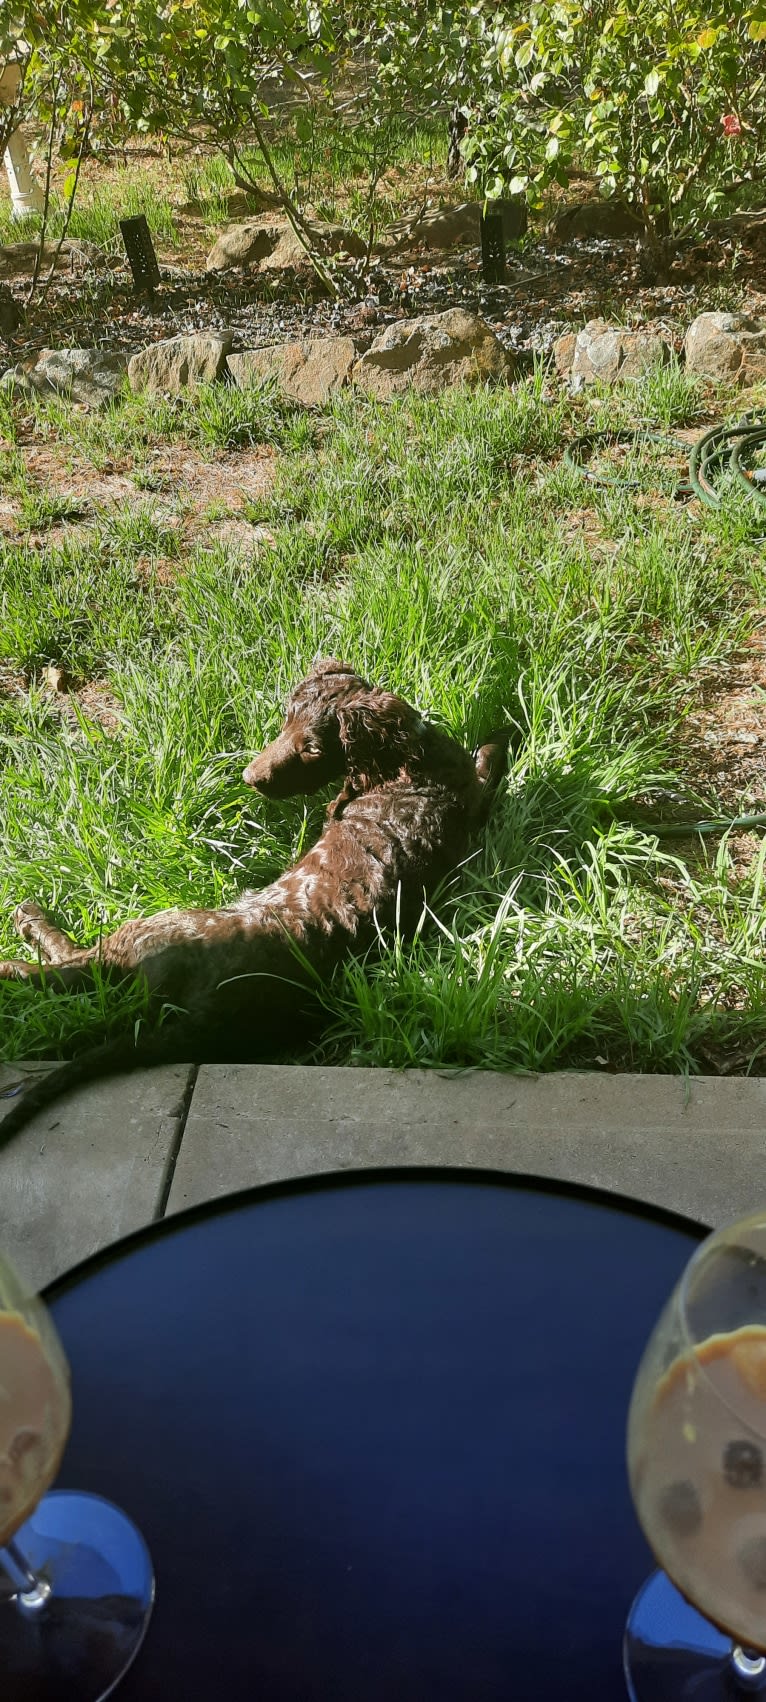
pixel 36 928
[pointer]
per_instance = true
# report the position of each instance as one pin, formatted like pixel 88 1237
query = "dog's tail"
pixel 174 1045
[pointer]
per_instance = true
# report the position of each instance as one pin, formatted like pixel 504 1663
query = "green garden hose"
pixel 724 449
pixel 728 449
pixel 581 446
pixel 682 829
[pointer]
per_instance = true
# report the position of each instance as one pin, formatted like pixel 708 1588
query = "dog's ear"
pixel 381 736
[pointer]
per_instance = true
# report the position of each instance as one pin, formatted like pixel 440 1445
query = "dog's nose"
pixel 255 773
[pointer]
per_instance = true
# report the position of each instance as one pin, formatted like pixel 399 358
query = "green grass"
pixel 43 508
pixel 332 168
pixel 214 417
pixel 95 217
pixel 445 549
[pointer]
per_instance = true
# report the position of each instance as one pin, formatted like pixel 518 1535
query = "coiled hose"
pixel 725 449
pixel 728 449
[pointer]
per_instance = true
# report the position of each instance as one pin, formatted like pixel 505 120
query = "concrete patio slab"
pixel 89 1169
pixel 123 1151
pixel 698 1147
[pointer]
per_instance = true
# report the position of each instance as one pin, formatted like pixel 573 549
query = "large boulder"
pixel 308 372
pixel 89 377
pixel 180 363
pixel 289 253
pixel 728 346
pixel 432 352
pixel 273 245
pixel 17 259
pixel 454 227
pixel 242 245
pixel 607 219
pixel 605 353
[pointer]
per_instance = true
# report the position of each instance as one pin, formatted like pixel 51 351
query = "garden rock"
pixel 241 202
pixel 180 363
pixel 605 219
pixel 605 353
pixel 17 259
pixel 89 377
pixel 308 372
pixel 432 352
pixel 328 240
pixel 14 382
pixel 242 245
pixel 727 346
pixel 10 314
pixel 455 227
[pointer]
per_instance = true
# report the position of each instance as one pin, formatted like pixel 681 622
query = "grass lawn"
pixel 444 548
pixel 186 196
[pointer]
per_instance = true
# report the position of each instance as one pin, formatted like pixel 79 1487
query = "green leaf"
pixel 651 83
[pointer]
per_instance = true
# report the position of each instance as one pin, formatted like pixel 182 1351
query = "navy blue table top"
pixel 373 1432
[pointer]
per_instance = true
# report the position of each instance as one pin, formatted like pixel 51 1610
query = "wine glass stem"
pixel 29 1591
pixel 749 1667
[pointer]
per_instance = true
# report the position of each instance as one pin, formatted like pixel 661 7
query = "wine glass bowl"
pixel 697 1459
pixel 35 1403
pixel 76 1579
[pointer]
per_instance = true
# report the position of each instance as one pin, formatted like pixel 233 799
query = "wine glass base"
pixel 76 1643
pixel 672 1653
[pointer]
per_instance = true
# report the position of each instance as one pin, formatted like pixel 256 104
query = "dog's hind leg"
pixel 35 927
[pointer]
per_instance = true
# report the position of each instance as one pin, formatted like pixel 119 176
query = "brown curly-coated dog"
pixel 244 978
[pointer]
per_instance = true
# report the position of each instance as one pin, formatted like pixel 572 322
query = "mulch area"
pixel 551 286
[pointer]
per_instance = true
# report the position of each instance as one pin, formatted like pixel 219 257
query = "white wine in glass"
pixel 697 1466
pixel 76 1580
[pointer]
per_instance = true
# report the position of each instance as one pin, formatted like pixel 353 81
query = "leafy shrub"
pixel 662 99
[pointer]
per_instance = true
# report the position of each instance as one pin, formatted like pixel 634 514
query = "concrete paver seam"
pixel 181 1111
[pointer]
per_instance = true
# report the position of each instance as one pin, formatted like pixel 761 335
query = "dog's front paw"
pixel 25 916
pixel 12 971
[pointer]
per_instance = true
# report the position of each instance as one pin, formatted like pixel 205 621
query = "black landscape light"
pixel 140 251
pixel 493 243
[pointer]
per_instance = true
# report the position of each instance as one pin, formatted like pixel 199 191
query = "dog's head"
pixel 336 724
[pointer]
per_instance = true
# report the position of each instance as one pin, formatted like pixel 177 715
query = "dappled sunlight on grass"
pixel 444 548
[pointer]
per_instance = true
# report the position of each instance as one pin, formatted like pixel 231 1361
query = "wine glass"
pixel 697 1467
pixel 76 1580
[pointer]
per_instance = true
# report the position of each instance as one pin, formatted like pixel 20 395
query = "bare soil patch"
pixel 179 483
pixel 722 757
pixel 725 737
